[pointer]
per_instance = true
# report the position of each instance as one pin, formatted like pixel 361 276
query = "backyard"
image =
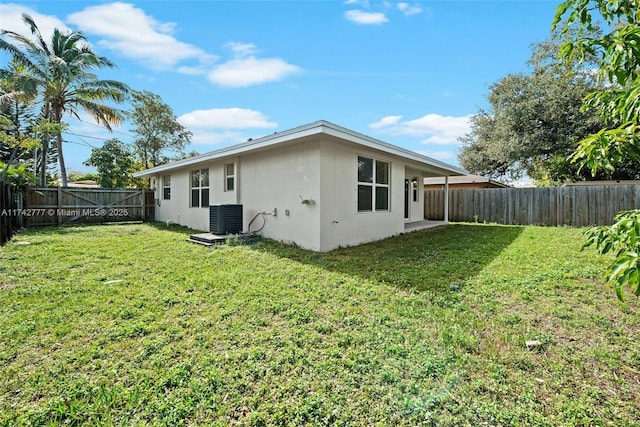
pixel 131 325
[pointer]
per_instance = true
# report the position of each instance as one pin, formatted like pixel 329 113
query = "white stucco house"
pixel 320 186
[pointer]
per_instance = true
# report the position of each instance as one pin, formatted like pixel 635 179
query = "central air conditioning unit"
pixel 225 219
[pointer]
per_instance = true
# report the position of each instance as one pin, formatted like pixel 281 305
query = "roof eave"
pixel 367 141
pixel 265 141
pixel 300 132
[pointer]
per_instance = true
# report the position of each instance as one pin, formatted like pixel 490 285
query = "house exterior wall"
pixel 177 209
pixel 278 178
pixel 321 171
pixel 340 221
pixel 282 178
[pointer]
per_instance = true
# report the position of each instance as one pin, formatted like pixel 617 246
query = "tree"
pixel 18 105
pixel 115 164
pixel 16 174
pixel 59 72
pixel 16 116
pixel 618 102
pixel 82 176
pixel 534 122
pixel 15 143
pixel 157 130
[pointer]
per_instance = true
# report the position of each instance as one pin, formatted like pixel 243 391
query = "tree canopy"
pixel 158 133
pixel 618 54
pixel 115 164
pixel 616 103
pixel 59 74
pixel 535 121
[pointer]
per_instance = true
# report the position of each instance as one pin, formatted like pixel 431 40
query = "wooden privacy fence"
pixel 57 206
pixel 9 212
pixel 577 206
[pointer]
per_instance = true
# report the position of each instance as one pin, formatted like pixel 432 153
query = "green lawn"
pixel 131 325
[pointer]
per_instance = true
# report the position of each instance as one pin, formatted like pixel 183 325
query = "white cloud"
pixel 203 137
pixel 154 45
pixel 128 30
pixel 12 20
pixel 364 3
pixel 223 125
pixel 242 49
pixel 225 118
pixel 365 18
pixel 438 129
pixel 242 72
pixel 408 9
pixel 197 70
pixel 385 121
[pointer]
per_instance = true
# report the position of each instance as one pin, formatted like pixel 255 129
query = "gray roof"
pixel 315 128
pixel 464 179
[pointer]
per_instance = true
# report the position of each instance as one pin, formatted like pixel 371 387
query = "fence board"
pixel 10 207
pixel 572 206
pixel 56 205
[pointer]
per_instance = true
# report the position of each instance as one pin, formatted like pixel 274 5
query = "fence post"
pixel 8 212
pixel 446 199
pixel 143 203
pixel 59 204
pixel 4 229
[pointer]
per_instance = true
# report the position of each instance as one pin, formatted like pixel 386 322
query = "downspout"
pixel 446 199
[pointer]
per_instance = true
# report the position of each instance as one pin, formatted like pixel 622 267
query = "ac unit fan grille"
pixel 225 219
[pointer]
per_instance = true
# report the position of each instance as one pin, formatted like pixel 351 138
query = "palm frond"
pixel 103 114
pixel 27 19
pixel 61 74
pixel 103 89
pixel 19 56
pixel 10 97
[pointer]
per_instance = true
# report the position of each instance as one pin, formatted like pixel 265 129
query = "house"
pixel 462 182
pixel 320 186
pixel 87 183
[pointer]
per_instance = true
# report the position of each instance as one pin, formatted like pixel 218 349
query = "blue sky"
pixel 408 73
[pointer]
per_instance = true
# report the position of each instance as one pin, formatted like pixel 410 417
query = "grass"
pixel 131 325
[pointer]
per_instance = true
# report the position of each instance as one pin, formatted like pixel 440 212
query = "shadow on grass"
pixel 84 227
pixel 170 226
pixel 72 227
pixel 423 260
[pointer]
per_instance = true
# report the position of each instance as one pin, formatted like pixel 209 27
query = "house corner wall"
pixel 286 179
pixel 177 209
pixel 340 222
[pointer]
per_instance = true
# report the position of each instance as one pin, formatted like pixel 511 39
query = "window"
pixel 414 188
pixel 166 187
pixel 373 185
pixel 229 177
pixel 200 188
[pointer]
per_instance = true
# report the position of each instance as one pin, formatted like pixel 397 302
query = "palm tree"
pixel 59 73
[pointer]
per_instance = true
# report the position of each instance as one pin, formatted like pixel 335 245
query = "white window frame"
pixel 166 187
pixel 200 188
pixel 414 189
pixel 374 185
pixel 228 177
